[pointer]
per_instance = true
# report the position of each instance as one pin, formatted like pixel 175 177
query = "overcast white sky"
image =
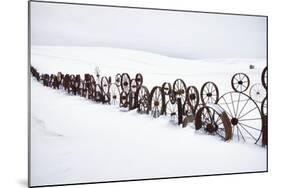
pixel 171 33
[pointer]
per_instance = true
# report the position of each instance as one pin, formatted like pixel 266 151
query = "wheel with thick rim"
pixel 264 77
pixel 192 98
pixel 179 89
pixel 125 82
pixel 142 95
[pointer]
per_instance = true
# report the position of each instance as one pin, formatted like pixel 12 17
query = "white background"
pixel 13 95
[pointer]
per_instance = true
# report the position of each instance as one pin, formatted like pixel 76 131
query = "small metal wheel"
pixel 125 82
pixel 209 93
pixel 139 79
pixel 114 94
pixel 264 77
pixel 213 120
pixel 104 85
pixel 167 88
pixel 134 86
pixel 192 98
pixel 179 89
pixel 244 115
pixel 124 99
pixel 118 79
pixel 257 92
pixel 156 101
pixel 142 95
pixel 240 82
pixel 98 93
pixel 264 107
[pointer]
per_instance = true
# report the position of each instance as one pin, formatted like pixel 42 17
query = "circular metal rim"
pixel 193 107
pixel 216 91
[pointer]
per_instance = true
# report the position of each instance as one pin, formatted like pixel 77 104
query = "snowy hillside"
pixel 76 140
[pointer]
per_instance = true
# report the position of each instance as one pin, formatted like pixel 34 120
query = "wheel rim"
pixel 240 82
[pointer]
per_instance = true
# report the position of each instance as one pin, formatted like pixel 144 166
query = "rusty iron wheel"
pixel 244 114
pixel 240 82
pixel 124 101
pixel 257 92
pixel 134 86
pixel 118 79
pixel 104 85
pixel 179 89
pixel 214 120
pixel 264 77
pixel 209 93
pixel 142 96
pixel 139 79
pixel 192 98
pixel 156 101
pixel 114 94
pixel 167 88
pixel 125 82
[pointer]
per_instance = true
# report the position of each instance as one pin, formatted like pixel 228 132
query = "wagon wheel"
pixel 179 89
pixel 167 88
pixel 114 94
pixel 257 92
pixel 172 111
pixel 156 101
pixel 264 107
pixel 244 114
pixel 139 79
pixel 142 95
pixel 118 79
pixel 264 78
pixel 188 114
pixel 240 82
pixel 214 120
pixel 192 98
pixel 125 82
pixel 91 91
pixel 98 93
pixel 134 86
pixel 104 85
pixel 124 99
pixel 209 93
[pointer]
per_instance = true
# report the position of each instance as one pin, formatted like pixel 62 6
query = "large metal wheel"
pixel 118 79
pixel 257 92
pixel 139 79
pixel 156 101
pixel 114 94
pixel 264 107
pixel 192 98
pixel 209 93
pixel 142 95
pixel 264 78
pixel 244 114
pixel 179 89
pixel 240 82
pixel 214 120
pixel 125 82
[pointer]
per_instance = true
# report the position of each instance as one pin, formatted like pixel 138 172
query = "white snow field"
pixel 74 140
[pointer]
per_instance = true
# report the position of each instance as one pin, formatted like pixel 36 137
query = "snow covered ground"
pixel 75 140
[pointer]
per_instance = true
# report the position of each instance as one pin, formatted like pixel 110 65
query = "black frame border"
pixel 130 7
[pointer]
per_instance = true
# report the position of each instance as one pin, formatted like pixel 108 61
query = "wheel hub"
pixel 192 96
pixel 234 121
pixel 209 94
pixel 240 82
pixel 156 103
